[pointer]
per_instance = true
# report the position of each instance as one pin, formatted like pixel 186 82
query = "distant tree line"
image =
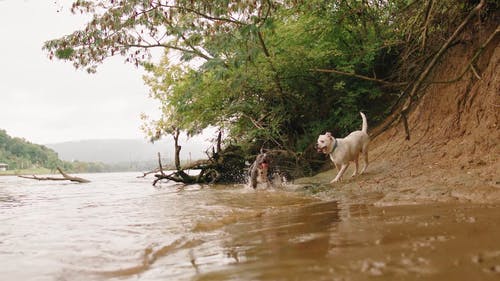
pixel 19 153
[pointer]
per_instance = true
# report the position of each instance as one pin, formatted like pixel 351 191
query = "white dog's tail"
pixel 364 127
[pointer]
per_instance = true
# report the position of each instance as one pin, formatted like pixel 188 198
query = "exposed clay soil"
pixel 453 152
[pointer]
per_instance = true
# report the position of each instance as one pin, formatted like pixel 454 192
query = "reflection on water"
pixel 121 228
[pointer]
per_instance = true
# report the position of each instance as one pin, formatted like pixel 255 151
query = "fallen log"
pixel 177 176
pixel 65 177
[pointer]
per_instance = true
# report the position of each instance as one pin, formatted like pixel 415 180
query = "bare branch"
pixel 428 12
pixel 64 178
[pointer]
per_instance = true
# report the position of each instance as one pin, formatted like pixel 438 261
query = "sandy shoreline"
pixel 400 185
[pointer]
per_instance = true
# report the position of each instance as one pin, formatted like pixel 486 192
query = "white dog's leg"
pixel 336 166
pixel 356 162
pixel 340 173
pixel 365 159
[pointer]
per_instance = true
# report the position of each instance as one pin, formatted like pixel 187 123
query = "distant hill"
pixel 19 153
pixel 113 151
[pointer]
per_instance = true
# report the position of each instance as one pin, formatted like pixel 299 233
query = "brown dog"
pixel 259 170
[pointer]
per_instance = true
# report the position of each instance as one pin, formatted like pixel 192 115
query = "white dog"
pixel 343 151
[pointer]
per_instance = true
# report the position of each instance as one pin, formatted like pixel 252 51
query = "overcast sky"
pixel 47 101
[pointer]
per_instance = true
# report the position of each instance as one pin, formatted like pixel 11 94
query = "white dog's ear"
pixel 328 134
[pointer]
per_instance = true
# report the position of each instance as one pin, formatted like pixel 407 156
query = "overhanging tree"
pixel 268 73
pixel 253 62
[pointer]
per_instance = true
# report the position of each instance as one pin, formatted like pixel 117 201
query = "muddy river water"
pixel 119 227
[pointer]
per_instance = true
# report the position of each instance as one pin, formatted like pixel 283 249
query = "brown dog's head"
pixel 325 143
pixel 262 161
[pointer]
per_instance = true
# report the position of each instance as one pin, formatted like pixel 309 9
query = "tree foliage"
pixel 251 67
pixel 19 153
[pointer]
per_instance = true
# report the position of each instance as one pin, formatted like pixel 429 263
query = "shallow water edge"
pixel 119 227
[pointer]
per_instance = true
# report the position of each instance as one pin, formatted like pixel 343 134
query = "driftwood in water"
pixel 221 166
pixel 65 177
pixel 208 173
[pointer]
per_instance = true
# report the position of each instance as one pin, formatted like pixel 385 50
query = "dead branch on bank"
pixel 208 173
pixel 221 166
pixel 65 177
pixel 179 175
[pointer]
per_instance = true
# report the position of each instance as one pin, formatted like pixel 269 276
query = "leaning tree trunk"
pixel 177 149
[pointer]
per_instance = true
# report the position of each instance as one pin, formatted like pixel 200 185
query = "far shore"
pixel 32 171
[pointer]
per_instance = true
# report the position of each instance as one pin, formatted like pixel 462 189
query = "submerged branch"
pixel 64 178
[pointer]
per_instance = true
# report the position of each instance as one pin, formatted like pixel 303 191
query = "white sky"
pixel 48 101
